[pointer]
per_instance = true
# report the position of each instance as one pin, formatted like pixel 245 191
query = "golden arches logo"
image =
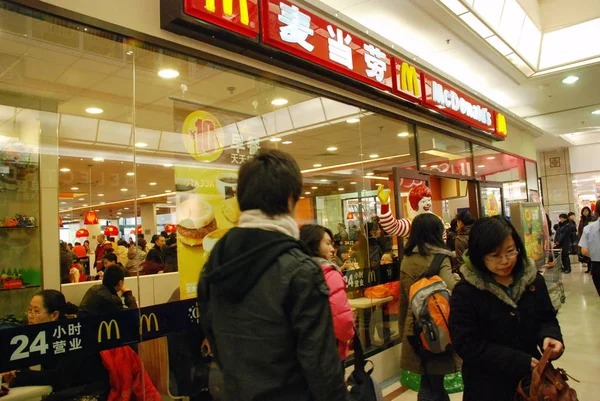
pixel 410 81
pixel 228 9
pixel 501 125
pixel 148 319
pixel 108 328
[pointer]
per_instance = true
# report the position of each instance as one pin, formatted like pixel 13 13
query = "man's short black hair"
pixel 563 216
pixel 111 257
pixel 268 181
pixel 571 214
pixel 112 276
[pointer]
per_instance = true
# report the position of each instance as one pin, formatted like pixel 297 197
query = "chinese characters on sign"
pixel 298 31
pixel 252 144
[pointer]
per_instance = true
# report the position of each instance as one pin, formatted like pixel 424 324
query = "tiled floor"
pixel 580 322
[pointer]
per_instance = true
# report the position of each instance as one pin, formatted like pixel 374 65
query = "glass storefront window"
pixel 443 154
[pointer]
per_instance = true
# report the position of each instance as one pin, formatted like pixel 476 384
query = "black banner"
pixel 25 346
pixel 364 278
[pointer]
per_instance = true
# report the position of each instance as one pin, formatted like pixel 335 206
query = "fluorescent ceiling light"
pixel 317 165
pixel 131 173
pixel 370 174
pixel 596 112
pixel 481 166
pixel 455 6
pixel 307 193
pixel 168 191
pixel 571 79
pixel 491 157
pixel 152 184
pixel 403 134
pixel 141 145
pixel 489 10
pixel 353 183
pixel 314 187
pixel 287 142
pixel 100 195
pixel 143 196
pixel 74 188
pixel 511 23
pixel 373 156
pixel 167 165
pixel 98 159
pixel 530 42
pixel 66 170
pixel 499 45
pixel 324 180
pixel 479 27
pixel 332 149
pixel 570 44
pixel 340 189
pixel 81 199
pixel 353 120
pixel 442 154
pixel 168 73
pixel 279 102
pixel 124 190
pixel 94 110
pixel 275 139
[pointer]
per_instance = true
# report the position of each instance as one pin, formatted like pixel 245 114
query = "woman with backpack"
pixel 424 243
pixel 500 313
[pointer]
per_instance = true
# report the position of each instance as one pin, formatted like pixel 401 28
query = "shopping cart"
pixel 552 272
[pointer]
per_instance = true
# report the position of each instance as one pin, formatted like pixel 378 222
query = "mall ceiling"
pixel 435 36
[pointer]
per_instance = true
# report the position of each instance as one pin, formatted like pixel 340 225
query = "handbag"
pixel 361 387
pixel 546 383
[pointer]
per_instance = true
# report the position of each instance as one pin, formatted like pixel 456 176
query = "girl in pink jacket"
pixel 319 241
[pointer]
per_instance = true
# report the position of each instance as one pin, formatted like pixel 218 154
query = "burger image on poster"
pixel 227 185
pixel 195 220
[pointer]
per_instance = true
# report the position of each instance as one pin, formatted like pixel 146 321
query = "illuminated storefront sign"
pixel 240 16
pixel 407 80
pixel 306 35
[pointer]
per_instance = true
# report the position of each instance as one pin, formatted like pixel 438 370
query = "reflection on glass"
pixel 443 154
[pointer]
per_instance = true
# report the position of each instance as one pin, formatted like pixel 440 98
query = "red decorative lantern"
pixel 90 218
pixel 111 231
pixel 350 216
pixel 60 223
pixel 170 228
pixel 139 230
pixel 82 233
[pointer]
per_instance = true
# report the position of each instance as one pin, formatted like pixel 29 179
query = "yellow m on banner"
pixel 148 319
pixel 410 80
pixel 501 125
pixel 228 9
pixel 108 328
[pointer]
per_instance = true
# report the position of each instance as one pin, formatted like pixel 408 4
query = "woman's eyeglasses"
pixel 500 258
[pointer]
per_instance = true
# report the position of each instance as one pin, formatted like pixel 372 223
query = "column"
pixel 149 224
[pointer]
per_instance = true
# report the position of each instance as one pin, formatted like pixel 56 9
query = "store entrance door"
pixel 491 197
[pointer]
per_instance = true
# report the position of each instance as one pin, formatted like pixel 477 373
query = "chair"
pixel 155 358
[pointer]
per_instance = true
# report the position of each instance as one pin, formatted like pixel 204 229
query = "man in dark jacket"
pixel 155 260
pixel 464 222
pixel 562 240
pixel 264 303
pixel 104 298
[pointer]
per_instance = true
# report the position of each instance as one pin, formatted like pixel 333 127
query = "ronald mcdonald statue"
pixel 420 201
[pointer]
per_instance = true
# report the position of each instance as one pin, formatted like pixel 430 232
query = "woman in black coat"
pixel 500 313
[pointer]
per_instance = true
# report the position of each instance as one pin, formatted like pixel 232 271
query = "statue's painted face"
pixel 425 205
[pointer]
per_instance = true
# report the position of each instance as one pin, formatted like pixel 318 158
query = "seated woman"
pixel 71 376
pixel 319 241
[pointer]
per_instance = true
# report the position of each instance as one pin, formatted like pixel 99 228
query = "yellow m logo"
pixel 410 81
pixel 501 124
pixel 372 277
pixel 108 330
pixel 228 9
pixel 148 319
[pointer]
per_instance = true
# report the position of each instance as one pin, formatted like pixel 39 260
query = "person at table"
pixel 70 376
pixel 104 298
pixel 425 241
pixel 79 250
pixel 318 240
pixel 101 249
pixel 500 313
pixel 136 255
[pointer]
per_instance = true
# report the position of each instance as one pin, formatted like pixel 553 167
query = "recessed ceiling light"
pixel 374 156
pixel 97 210
pixel 491 157
pixel 481 166
pixel 332 149
pixel 596 112
pixel 353 183
pixel 169 202
pixel 84 205
pixel 403 134
pixel 353 120
pixel 141 145
pixel 307 193
pixel 102 203
pixel 287 142
pixel 152 183
pixel 143 196
pixel 94 110
pixel 324 180
pixel 100 195
pixel 130 52
pixel 119 213
pixel 81 199
pixel 423 165
pixel 131 173
pixel 314 187
pixel 168 190
pixel 434 166
pixel 279 102
pixel 125 208
pixel 74 188
pixel 317 165
pixel 98 159
pixel 340 189
pixel 168 73
pixel 167 165
pixel 63 203
pixel 302 197
pixel 65 170
pixel 370 173
pixel 275 139
pixel 571 79
pixel 124 190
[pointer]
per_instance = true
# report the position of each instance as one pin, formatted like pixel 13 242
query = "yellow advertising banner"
pixel 207 208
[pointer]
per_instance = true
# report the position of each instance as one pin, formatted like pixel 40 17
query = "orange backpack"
pixel 429 300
